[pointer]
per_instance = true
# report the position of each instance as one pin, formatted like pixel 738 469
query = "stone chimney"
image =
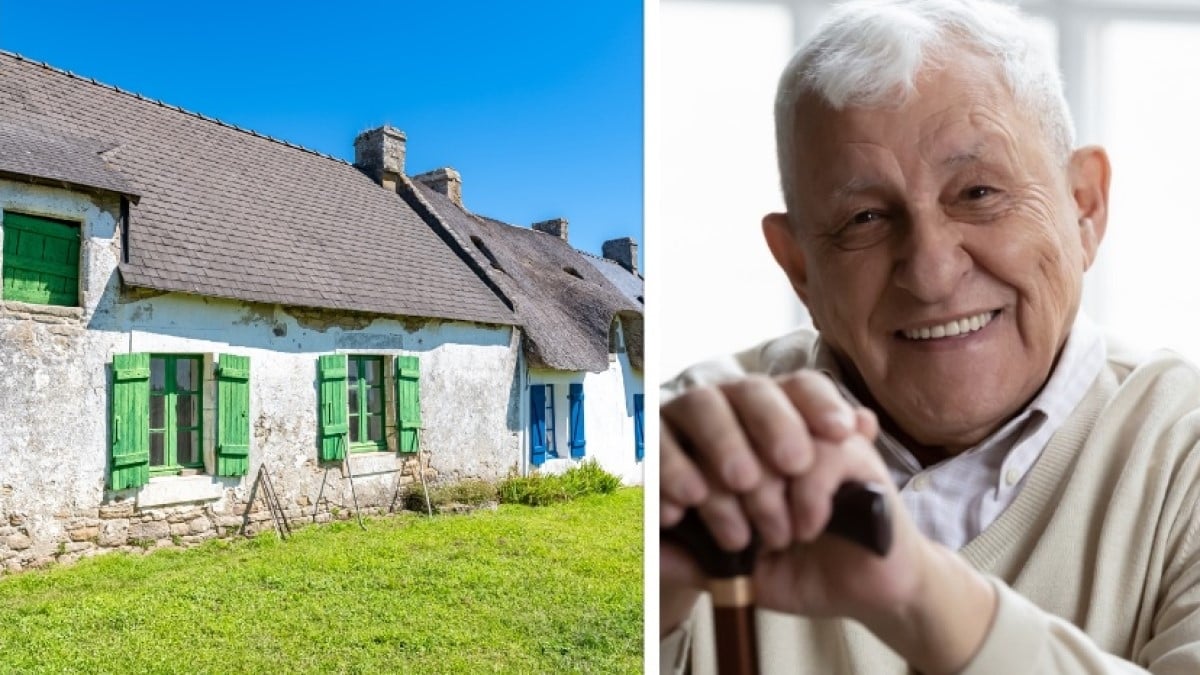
pixel 379 153
pixel 446 181
pixel 622 251
pixel 554 226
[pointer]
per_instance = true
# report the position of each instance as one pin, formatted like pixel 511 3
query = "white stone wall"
pixel 54 397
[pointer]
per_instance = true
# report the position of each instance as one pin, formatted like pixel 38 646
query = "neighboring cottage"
pixel 577 325
pixel 184 302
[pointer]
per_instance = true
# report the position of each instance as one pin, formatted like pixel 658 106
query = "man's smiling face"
pixel 941 247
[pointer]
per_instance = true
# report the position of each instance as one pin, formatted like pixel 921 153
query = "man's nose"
pixel 931 261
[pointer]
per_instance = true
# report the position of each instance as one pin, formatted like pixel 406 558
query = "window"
pixel 365 392
pixel 176 417
pixel 354 391
pixel 542 444
pixel 41 260
pixel 157 416
pixel 551 444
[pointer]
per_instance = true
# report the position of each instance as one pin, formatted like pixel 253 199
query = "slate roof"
pixel 630 284
pixel 229 213
pixel 75 162
pixel 566 318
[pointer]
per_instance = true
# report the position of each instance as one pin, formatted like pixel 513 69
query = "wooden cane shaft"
pixel 737 640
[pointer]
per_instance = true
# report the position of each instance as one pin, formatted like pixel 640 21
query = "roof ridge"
pixel 597 257
pixel 610 261
pixel 169 106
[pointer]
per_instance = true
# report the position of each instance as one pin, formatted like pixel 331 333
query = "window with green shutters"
pixel 176 414
pixel 158 422
pixel 358 394
pixel 40 260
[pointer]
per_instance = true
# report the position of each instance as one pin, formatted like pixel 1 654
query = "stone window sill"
pixel 165 490
pixel 368 463
pixel 42 313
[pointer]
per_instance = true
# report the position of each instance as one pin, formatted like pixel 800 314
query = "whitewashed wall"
pixel 608 417
pixel 54 386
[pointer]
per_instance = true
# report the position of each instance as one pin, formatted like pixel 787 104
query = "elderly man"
pixel 938 226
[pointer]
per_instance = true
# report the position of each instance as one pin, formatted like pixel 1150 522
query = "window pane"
pixel 185 447
pixel 187 375
pixel 375 428
pixel 353 363
pixel 156 448
pixel 354 427
pixel 156 412
pixel 372 374
pixel 185 411
pixel 375 401
pixel 353 400
pixel 158 376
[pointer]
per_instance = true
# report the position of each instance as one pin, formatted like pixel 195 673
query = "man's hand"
pixel 744 440
pixel 769 454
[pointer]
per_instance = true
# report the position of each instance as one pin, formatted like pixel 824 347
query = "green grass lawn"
pixel 522 589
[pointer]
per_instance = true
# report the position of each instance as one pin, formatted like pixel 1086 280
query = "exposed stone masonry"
pixel 119 525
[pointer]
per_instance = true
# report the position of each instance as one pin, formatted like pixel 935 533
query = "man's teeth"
pixel 952 328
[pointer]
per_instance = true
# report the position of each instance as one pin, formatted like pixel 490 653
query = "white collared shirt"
pixel 954 500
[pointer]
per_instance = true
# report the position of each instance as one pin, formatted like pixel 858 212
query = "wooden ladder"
pixel 270 498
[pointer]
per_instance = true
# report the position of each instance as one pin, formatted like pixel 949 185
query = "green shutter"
pixel 233 415
pixel 333 416
pixel 408 402
pixel 40 261
pixel 130 421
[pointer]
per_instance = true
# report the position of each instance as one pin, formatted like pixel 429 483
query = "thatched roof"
pixel 564 303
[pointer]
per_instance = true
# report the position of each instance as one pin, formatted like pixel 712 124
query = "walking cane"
pixel 860 514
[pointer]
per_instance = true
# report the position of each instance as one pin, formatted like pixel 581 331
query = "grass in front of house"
pixel 520 589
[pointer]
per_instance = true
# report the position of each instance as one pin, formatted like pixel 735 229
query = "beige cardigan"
pixel 1096 562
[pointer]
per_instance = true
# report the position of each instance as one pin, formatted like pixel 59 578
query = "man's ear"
pixel 1090 173
pixel 788 254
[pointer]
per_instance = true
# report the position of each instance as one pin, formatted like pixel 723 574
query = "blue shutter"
pixel 639 424
pixel 537 424
pixel 578 440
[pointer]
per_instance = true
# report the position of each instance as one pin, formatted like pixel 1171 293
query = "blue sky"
pixel 538 104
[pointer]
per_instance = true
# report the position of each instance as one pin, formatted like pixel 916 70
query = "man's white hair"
pixel 867 53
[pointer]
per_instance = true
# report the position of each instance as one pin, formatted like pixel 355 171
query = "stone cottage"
pixel 185 303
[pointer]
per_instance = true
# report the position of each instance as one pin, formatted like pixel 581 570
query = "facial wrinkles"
pixel 1034 203
pixel 1056 287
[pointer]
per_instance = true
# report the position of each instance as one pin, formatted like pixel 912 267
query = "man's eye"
pixel 979 192
pixel 862 230
pixel 865 217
